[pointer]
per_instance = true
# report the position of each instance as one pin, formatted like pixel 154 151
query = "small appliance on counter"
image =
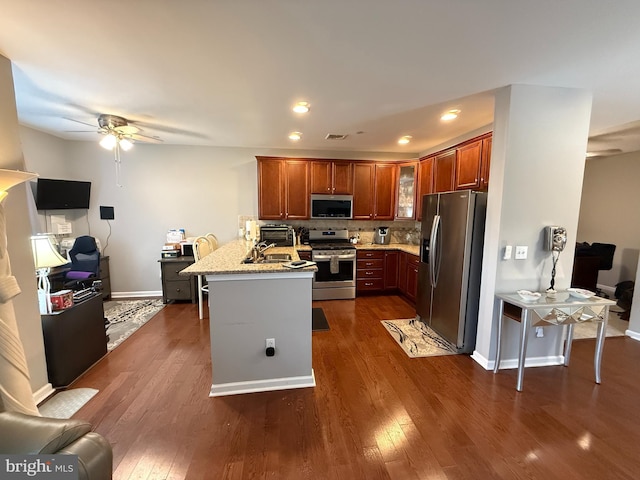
pixel 281 235
pixel 382 236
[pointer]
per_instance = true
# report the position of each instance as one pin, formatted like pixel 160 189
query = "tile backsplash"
pixel 404 231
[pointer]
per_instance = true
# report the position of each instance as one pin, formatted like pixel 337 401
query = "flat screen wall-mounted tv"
pixel 62 194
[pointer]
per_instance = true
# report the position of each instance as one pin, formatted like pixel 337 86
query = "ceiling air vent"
pixel 335 136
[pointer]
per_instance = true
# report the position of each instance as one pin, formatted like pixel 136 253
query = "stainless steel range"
pixel 335 258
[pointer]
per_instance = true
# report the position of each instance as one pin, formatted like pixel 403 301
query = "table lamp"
pixel 45 257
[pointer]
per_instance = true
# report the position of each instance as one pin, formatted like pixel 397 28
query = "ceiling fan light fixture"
pixel 109 141
pixel 126 144
pixel 450 115
pixel 301 107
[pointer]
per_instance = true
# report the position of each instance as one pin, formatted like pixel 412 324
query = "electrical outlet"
pixel 521 252
pixel 507 252
pixel 271 342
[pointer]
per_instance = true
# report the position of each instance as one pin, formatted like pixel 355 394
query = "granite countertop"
pixel 228 260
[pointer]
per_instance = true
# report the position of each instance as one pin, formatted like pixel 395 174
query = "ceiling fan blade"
pixel 127 129
pixel 144 138
pixel 78 121
pixel 81 131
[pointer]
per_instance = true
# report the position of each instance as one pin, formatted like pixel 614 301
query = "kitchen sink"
pixel 270 258
pixel 276 258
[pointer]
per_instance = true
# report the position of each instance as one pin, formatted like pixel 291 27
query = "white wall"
pixel 18 232
pixel 609 212
pixel 200 189
pixel 537 165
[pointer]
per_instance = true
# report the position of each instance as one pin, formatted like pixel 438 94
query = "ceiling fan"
pixel 119 133
pixel 117 129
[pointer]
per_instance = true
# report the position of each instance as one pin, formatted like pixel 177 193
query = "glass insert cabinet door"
pixel 406 191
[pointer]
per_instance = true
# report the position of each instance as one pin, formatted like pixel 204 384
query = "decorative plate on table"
pixel 529 296
pixel 580 293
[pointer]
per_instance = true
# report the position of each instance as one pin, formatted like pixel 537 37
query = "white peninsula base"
pixel 244 311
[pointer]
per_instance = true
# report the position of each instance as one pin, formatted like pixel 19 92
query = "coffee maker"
pixel 382 236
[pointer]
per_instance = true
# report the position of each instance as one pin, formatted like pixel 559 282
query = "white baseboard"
pixel 632 334
pixel 235 388
pixel 43 393
pixel 482 360
pixel 513 362
pixel 136 294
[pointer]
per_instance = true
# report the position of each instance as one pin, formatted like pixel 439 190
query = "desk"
pixel 552 312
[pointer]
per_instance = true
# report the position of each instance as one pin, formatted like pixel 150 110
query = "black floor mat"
pixel 318 320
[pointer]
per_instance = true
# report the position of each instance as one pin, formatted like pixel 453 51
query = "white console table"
pixel 552 312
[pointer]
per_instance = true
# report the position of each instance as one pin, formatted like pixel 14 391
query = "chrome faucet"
pixel 258 250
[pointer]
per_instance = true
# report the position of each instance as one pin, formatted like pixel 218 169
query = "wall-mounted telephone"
pixel 556 238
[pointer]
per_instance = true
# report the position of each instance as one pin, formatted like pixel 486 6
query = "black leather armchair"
pixel 26 434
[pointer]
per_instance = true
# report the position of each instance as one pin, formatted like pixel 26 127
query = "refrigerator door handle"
pixel 432 250
pixel 437 249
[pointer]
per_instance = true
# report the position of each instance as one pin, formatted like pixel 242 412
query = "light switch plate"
pixel 521 252
pixel 507 252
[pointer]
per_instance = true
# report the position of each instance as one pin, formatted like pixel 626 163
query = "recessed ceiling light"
pixel 301 107
pixel 404 140
pixel 295 136
pixel 450 115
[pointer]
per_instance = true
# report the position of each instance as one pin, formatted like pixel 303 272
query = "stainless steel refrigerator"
pixel 450 264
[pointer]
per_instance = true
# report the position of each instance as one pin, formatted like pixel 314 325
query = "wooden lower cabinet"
pixel 408 275
pixel 377 270
pixel 304 255
pixel 369 270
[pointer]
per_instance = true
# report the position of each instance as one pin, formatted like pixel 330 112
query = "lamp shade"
pixel 44 253
pixel 11 178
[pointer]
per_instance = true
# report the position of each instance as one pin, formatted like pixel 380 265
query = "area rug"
pixel 417 339
pixel 318 320
pixel 126 316
pixel 615 328
pixel 64 404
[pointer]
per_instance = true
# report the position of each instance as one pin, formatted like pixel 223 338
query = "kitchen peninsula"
pixel 248 304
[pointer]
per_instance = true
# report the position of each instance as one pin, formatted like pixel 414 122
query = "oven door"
pixel 334 270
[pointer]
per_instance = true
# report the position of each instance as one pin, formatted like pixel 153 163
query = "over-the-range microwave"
pixel 331 206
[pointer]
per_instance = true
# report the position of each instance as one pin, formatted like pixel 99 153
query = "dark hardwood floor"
pixel 374 414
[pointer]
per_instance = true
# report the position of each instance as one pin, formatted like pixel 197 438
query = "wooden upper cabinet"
pixel 485 162
pixel 332 177
pixel 283 189
pixel 444 171
pixel 297 198
pixel 425 182
pixel 406 191
pixel 363 176
pixel 468 166
pixel 385 191
pixel 270 191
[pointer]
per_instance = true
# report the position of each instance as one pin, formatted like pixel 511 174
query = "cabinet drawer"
pixel 365 273
pixel 304 255
pixel 170 271
pixel 365 263
pixel 368 254
pixel 369 284
pixel 178 290
pixel 413 261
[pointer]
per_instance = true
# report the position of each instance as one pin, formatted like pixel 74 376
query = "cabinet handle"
pixel 368 273
pixel 368 284
pixel 177 289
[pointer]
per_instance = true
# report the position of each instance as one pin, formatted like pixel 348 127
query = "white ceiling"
pixel 226 72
